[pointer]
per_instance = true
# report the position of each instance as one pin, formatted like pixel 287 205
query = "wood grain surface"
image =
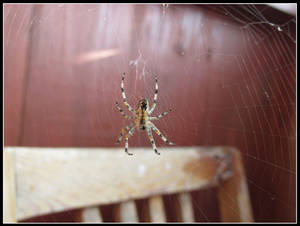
pixel 56 179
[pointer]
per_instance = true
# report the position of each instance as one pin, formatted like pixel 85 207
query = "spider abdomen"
pixel 141 119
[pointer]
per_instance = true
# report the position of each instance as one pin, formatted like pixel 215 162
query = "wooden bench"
pixel 40 181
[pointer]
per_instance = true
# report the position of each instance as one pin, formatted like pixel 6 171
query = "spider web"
pixel 240 93
pixel 265 87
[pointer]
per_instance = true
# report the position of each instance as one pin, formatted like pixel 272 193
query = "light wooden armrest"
pixel 9 188
pixel 48 180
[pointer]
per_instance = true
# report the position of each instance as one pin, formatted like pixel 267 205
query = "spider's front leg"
pixel 152 140
pixel 124 96
pixel 155 97
pixel 122 112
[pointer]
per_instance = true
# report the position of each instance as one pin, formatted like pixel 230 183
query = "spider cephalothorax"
pixel 142 119
pixel 143 104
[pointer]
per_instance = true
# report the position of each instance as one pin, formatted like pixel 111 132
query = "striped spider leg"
pixel 159 116
pixel 152 126
pixel 122 112
pixel 124 131
pixel 155 98
pixel 124 96
pixel 129 134
pixel 152 140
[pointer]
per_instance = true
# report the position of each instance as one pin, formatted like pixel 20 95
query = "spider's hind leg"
pixel 160 134
pixel 152 140
pixel 129 134
pixel 125 130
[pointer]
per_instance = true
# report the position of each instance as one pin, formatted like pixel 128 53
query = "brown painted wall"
pixel 227 84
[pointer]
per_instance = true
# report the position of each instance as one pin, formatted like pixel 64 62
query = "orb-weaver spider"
pixel 142 118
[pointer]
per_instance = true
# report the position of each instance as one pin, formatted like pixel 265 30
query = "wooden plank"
pixel 9 188
pixel 91 215
pixel 186 205
pixel 57 179
pixel 234 198
pixel 128 212
pixel 157 210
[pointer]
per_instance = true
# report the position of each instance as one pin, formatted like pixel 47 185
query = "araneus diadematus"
pixel 142 119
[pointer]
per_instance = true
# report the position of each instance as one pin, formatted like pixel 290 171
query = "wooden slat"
pixel 91 215
pixel 142 206
pixel 186 205
pixel 9 188
pixel 128 212
pixel 234 198
pixel 57 179
pixel 172 208
pixel 157 211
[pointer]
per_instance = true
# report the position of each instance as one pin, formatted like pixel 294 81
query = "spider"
pixel 142 119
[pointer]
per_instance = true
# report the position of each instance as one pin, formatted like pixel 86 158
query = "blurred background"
pixel 228 72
